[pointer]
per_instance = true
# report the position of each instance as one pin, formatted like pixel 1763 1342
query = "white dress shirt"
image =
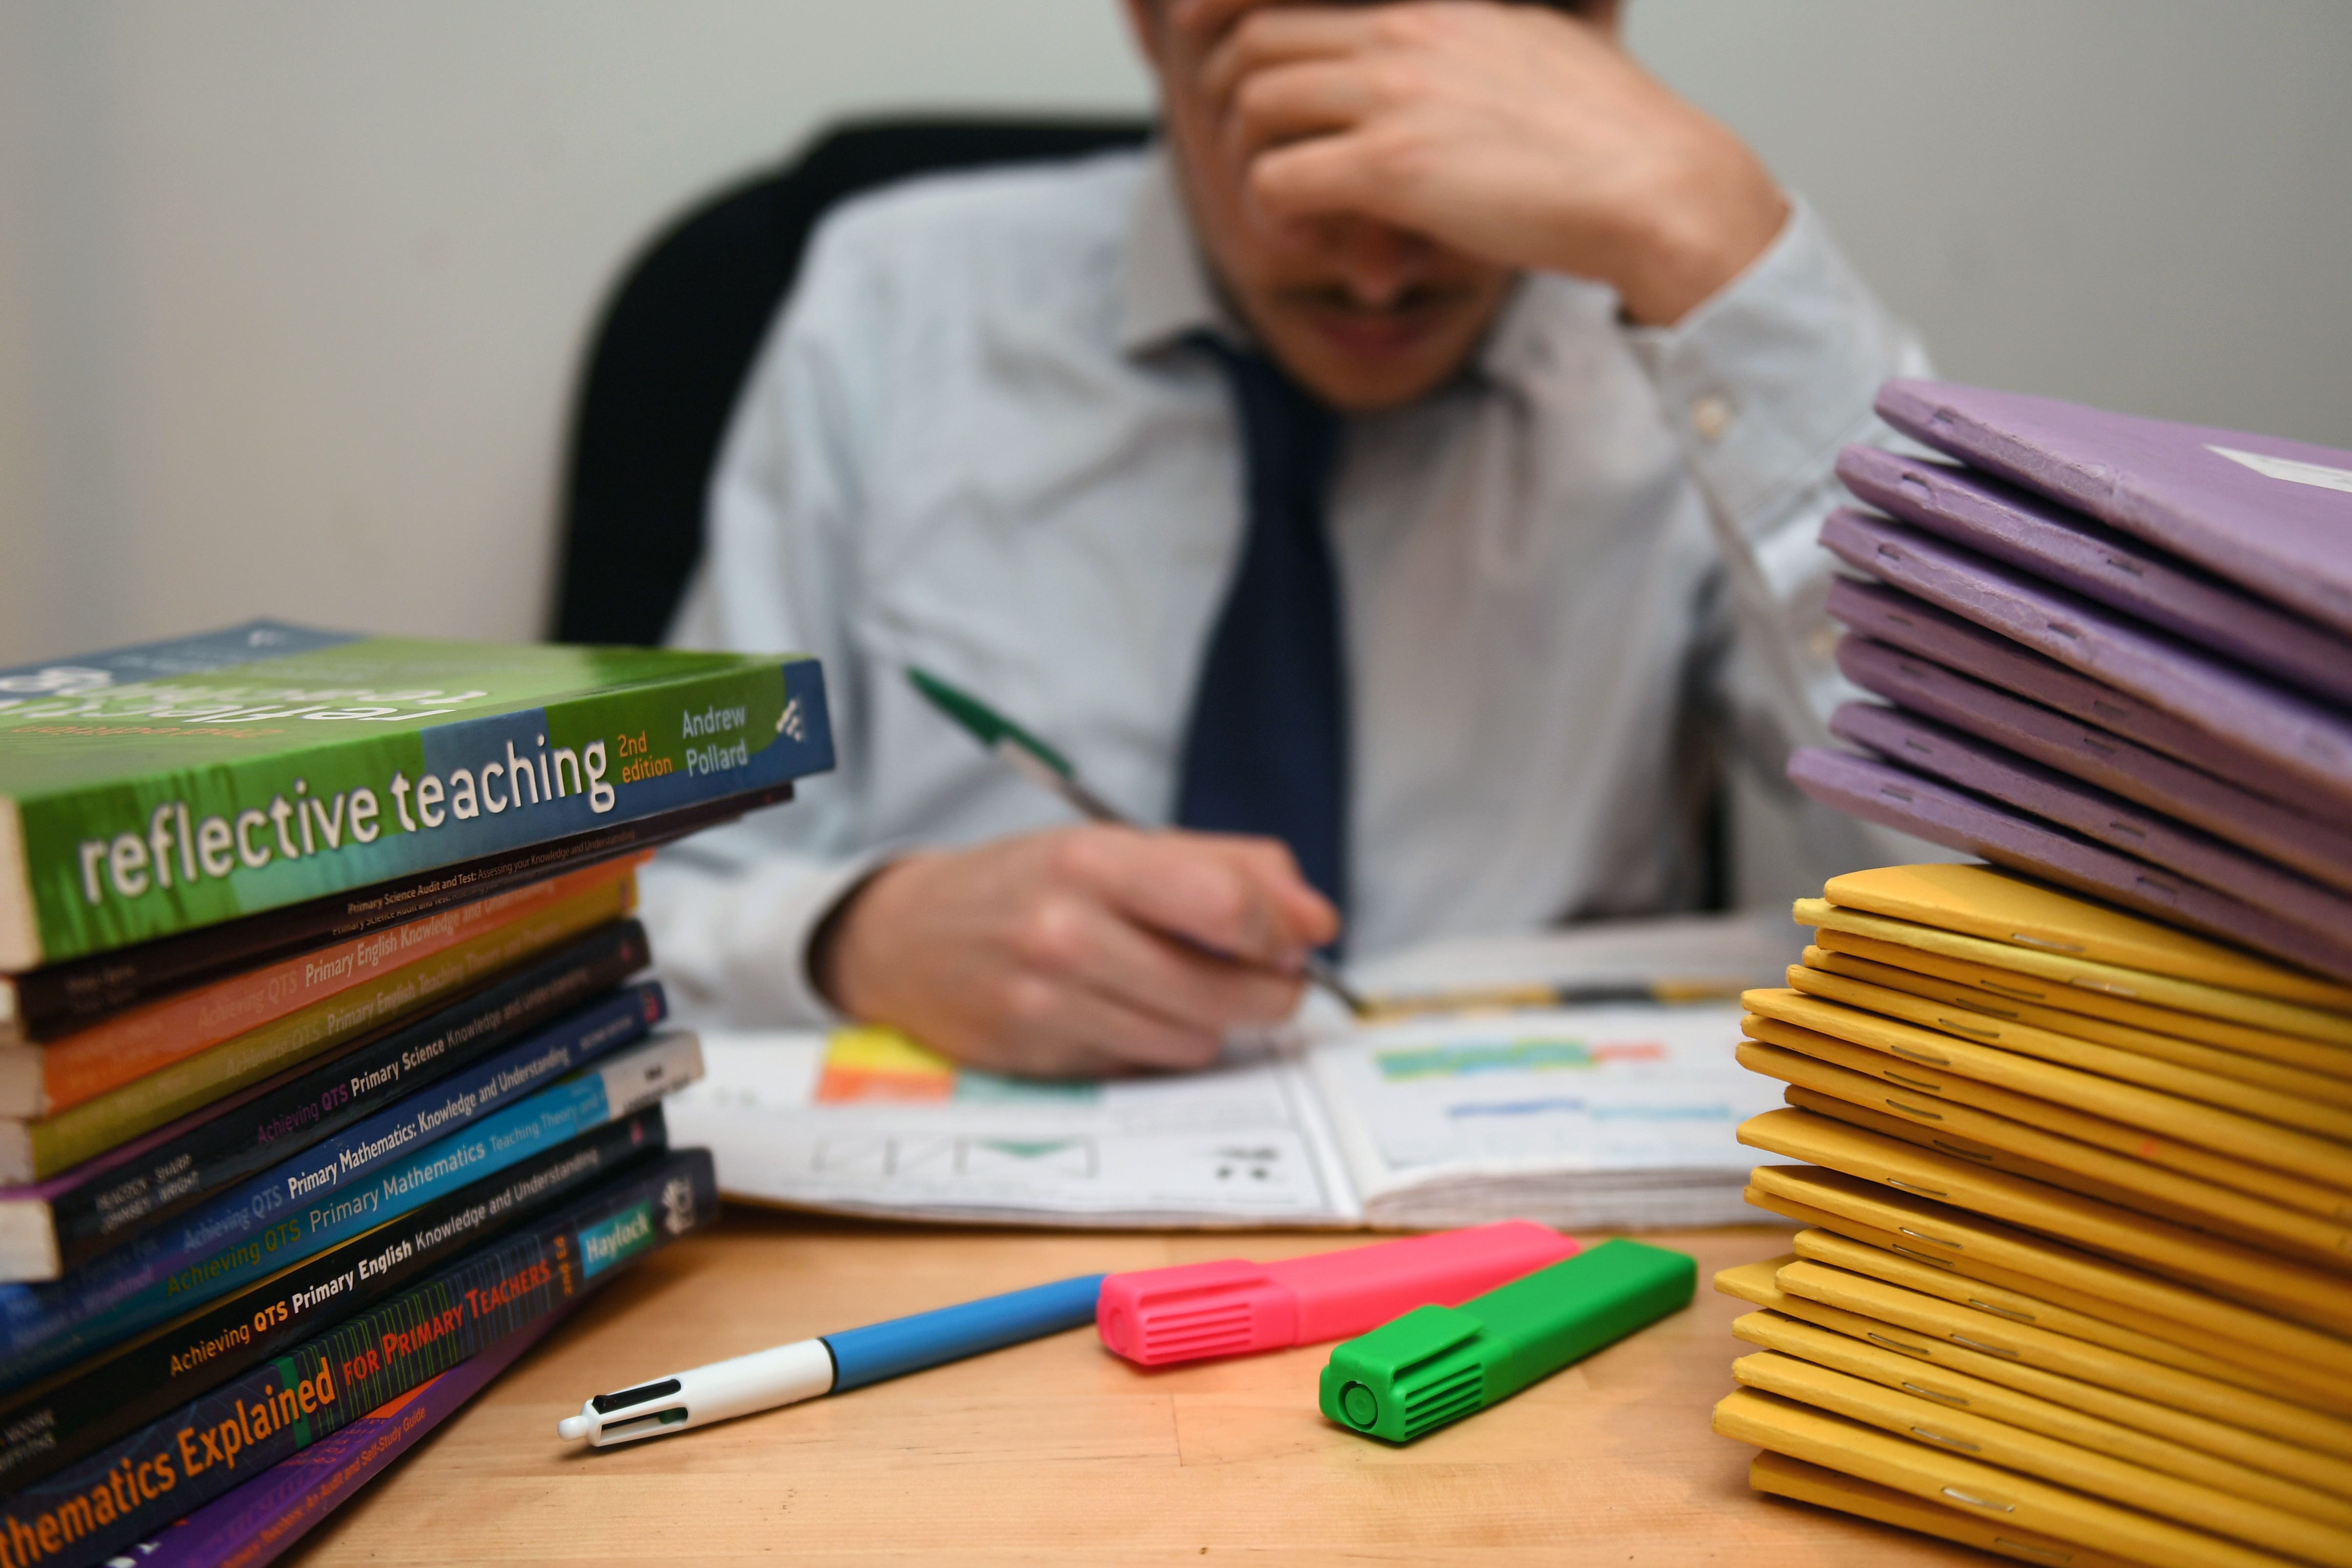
pixel 976 440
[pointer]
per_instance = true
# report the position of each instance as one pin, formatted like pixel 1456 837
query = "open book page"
pixel 865 1122
pixel 1617 1117
pixel 1589 1117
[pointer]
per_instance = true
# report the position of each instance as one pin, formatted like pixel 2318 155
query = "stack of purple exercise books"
pixel 2115 655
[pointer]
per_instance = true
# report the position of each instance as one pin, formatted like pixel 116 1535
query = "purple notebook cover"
pixel 2097 757
pixel 2071 551
pixel 2273 515
pixel 1910 802
pixel 2295 732
pixel 257 1522
pixel 1895 618
pixel 1982 768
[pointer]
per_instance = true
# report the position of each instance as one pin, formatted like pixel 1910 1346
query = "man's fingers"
pixel 1048 1014
pixel 1295 101
pixel 1285 35
pixel 1088 944
pixel 1312 920
pixel 1354 172
pixel 1170 881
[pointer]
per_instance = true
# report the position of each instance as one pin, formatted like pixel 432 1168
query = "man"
pixel 1385 470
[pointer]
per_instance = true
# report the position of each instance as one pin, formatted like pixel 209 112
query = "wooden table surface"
pixel 1058 1451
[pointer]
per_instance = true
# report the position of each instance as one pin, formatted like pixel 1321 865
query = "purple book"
pixel 2098 757
pixel 2070 550
pixel 1909 803
pixel 1895 618
pixel 2274 516
pixel 2295 733
pixel 2009 780
pixel 258 1521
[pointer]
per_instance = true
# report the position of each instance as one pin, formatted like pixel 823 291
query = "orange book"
pixel 37 1080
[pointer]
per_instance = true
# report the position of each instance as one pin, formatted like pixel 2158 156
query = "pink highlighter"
pixel 1160 1316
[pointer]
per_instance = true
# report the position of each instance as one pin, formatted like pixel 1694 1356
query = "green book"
pixel 158 789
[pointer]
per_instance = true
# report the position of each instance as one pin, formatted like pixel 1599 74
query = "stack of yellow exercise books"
pixel 2076 1281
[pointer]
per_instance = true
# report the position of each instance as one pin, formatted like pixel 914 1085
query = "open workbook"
pixel 1620 1115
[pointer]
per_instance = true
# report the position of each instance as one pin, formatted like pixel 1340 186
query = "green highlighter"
pixel 1435 1364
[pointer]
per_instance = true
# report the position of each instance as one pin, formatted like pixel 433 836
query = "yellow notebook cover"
pixel 1924 1091
pixel 2204 1421
pixel 1986 1334
pixel 2214 1466
pixel 2003 906
pixel 1934 1230
pixel 2287 1107
pixel 2290 1377
pixel 2011 988
pixel 1976 1002
pixel 2325 1024
pixel 2300 1290
pixel 1904 1414
pixel 2233 1362
pixel 1780 1476
pixel 2000 1144
pixel 1982 1490
pixel 2226 1132
pixel 2159 1194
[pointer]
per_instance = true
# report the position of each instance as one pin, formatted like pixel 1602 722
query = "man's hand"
pixel 1513 134
pixel 1080 952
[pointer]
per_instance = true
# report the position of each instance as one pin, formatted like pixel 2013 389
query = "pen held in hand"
pixel 1043 765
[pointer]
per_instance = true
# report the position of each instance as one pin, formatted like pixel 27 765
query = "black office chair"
pixel 676 342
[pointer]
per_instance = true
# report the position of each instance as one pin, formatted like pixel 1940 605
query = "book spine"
pixel 63 996
pixel 130 1487
pixel 131 1045
pixel 44 1327
pixel 176 1167
pixel 257 1522
pixel 60 1142
pixel 136 859
pixel 438 1109
pixel 327 1169
pixel 51 1425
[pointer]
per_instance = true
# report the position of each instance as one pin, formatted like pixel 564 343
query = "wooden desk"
pixel 1059 1452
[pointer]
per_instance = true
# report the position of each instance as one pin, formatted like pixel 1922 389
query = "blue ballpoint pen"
pixel 831 1364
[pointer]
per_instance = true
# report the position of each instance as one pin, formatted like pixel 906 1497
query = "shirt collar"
pixel 1166 289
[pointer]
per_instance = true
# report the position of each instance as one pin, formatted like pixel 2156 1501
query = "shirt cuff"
pixel 1766 379
pixel 733 944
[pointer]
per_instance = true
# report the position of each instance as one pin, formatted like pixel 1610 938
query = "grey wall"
pixel 290 294
pixel 2143 204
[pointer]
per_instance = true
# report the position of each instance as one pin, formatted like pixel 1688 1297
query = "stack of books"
pixel 2119 653
pixel 325 1085
pixel 2076 1281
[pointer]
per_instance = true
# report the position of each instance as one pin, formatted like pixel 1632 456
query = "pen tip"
pixel 572 1428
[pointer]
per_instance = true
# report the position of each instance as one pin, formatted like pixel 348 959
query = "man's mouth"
pixel 1375 331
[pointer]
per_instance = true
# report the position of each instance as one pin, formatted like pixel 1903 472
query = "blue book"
pixel 51 1227
pixel 438 1108
pixel 44 1327
pixel 131 1488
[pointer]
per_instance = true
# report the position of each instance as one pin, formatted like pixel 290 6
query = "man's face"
pixel 1365 315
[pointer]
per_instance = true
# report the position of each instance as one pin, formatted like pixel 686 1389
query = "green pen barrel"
pixel 1436 1364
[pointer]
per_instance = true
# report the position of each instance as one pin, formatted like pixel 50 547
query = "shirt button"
pixel 1710 415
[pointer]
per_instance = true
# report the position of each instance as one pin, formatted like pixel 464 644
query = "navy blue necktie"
pixel 1266 749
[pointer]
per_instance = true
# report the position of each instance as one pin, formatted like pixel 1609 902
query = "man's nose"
pixel 1376 263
